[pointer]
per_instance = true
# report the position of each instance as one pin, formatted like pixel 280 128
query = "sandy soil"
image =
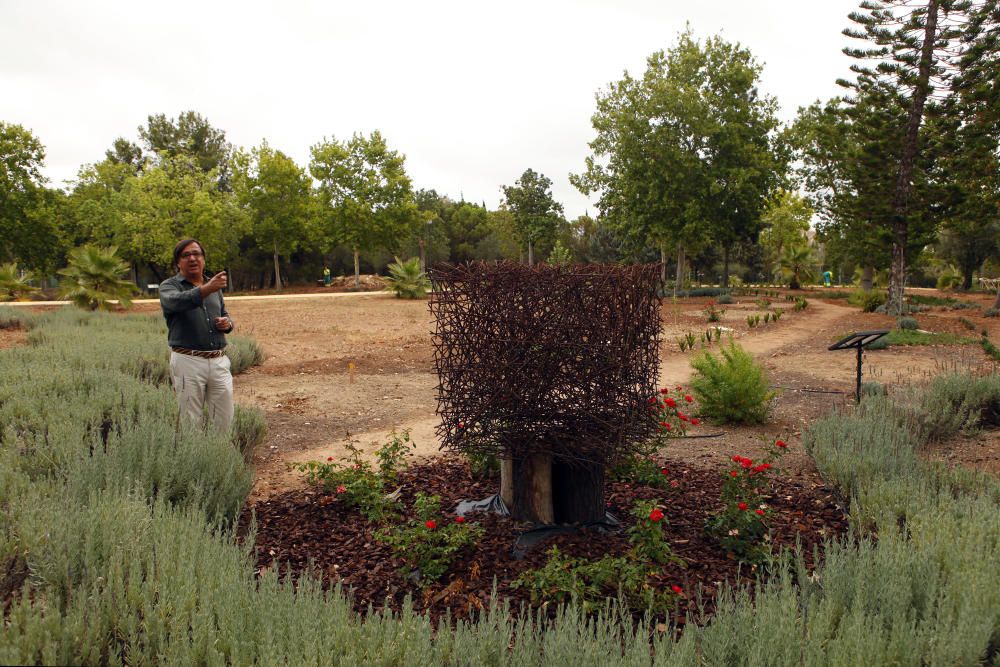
pixel 360 366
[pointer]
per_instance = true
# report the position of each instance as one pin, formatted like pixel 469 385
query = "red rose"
pixel 461 424
pixel 682 416
pixel 666 426
pixel 431 524
pixel 664 391
pixel 736 458
pixel 780 443
pixel 670 402
pixel 652 400
pixel 459 519
pixel 329 458
pixel 664 471
pixel 655 515
pixel 687 397
pixel 733 473
pixel 341 489
pixel 746 463
pixel 759 512
pixel 677 589
pixel 694 421
pixel 743 506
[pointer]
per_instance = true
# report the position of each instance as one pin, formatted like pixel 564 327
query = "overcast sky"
pixel 473 93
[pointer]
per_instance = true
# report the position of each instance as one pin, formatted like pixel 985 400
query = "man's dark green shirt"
pixel 189 317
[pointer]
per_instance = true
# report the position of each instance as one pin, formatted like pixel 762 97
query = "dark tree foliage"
pixel 190 135
pixel 910 48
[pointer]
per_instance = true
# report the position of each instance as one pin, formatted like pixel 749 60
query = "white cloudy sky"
pixel 473 93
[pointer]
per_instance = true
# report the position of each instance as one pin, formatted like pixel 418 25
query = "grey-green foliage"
pixel 119 572
pixel 909 323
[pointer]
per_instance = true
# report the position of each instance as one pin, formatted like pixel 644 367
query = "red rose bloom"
pixel 694 421
pixel 687 397
pixel 664 471
pixel 677 589
pixel 329 458
pixel 664 391
pixel 341 489
pixel 743 506
pixel 666 426
pixel 431 524
pixel 670 402
pixel 759 512
pixel 780 443
pixel 655 515
pixel 459 519
pixel 733 473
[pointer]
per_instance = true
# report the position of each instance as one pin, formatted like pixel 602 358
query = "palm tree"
pixel 93 279
pixel 796 265
pixel 407 280
pixel 13 283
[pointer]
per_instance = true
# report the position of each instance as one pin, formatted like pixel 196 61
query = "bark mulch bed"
pixel 307 529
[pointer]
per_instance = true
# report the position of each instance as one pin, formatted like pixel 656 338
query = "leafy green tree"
pixel 366 198
pixel 467 226
pixel 170 201
pixel 536 213
pixel 276 195
pixel 786 222
pixel 560 255
pixel 27 233
pixel 685 155
pixel 501 241
pixel 93 279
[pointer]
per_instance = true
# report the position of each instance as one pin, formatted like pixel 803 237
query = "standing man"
pixel 197 322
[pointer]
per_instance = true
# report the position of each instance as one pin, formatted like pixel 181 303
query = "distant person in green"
pixel 827 278
pixel 197 324
pixel 327 279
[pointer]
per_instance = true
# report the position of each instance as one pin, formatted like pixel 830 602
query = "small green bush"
pixel 991 312
pixel 867 300
pixel 243 353
pixel 11 318
pixel 725 299
pixel 907 323
pixel 249 429
pixel 731 387
pixel 406 280
pixel 429 543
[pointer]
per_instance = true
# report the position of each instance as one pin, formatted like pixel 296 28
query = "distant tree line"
pixel 689 165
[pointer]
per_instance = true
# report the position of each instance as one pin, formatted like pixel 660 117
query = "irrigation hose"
pixel 811 391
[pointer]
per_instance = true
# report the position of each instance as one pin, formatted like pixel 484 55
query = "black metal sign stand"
pixel 858 340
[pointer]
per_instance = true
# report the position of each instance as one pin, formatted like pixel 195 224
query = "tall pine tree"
pixel 909 56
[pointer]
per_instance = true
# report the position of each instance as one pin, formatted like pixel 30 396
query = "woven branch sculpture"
pixel 546 360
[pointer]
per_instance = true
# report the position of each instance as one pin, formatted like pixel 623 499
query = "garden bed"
pixel 306 529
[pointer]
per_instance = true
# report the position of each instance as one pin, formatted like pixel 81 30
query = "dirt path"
pixel 315 401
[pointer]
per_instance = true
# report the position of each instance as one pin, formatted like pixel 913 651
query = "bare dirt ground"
pixel 359 366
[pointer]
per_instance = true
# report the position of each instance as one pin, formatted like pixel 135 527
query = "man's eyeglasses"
pixel 194 253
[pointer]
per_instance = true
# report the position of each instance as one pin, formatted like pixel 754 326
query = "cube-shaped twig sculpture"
pixel 546 360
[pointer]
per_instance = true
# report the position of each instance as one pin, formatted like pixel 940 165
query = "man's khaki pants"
pixel 203 385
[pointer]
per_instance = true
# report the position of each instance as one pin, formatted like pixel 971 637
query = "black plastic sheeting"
pixel 532 537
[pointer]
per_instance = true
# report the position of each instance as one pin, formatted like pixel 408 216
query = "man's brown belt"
pixel 204 354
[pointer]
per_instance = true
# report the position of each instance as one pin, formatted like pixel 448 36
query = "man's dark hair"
pixel 179 248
